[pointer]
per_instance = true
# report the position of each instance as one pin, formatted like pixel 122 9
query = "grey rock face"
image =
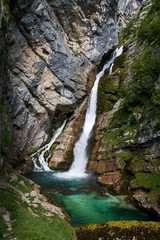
pixel 52 47
pixel 127 10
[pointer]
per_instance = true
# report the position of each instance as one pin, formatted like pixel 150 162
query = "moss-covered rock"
pixel 119 230
pixel 30 215
pixel 107 92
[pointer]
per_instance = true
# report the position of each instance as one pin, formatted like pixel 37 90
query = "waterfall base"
pixel 71 175
pixel 85 201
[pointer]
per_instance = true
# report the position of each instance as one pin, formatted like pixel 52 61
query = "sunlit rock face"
pixel 52 47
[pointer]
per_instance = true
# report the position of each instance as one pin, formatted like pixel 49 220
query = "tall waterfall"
pixel 79 164
pixel 39 159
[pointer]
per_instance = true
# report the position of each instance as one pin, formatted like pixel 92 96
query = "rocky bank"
pixel 26 213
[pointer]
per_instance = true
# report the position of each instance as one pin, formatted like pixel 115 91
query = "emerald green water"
pixel 85 201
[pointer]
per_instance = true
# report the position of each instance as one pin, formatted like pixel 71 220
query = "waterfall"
pixel 80 161
pixel 39 159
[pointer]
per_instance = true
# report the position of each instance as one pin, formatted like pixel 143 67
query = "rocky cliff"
pixel 126 150
pixel 51 47
pixel 49 50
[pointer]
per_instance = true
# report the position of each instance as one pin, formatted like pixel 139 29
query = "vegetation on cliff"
pixel 130 138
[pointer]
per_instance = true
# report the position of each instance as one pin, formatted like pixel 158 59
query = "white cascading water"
pixel 39 160
pixel 79 164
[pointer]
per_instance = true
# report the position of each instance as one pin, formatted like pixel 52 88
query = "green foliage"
pixel 144 86
pixel 146 71
pixel 53 147
pixel 125 157
pixel 3 227
pixel 149 28
pixel 119 61
pixel 107 92
pixel 150 181
pixel 30 226
pixel 5 133
pixel 120 117
pixel 121 136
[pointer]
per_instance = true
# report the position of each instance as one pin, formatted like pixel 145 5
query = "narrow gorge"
pixel 53 54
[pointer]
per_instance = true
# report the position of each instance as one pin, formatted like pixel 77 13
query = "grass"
pixel 29 222
pixel 28 226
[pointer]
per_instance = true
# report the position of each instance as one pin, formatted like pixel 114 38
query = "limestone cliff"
pixel 51 47
pixel 127 10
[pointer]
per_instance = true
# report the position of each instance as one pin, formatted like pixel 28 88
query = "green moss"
pixel 107 91
pixel 6 136
pixel 27 225
pixel 153 194
pixel 121 136
pixel 109 84
pixel 22 187
pixel 53 147
pixel 124 158
pixel 149 28
pixel 122 75
pixel 119 230
pixel 3 227
pixel 46 154
pixel 119 61
pixel 149 181
pixel 29 222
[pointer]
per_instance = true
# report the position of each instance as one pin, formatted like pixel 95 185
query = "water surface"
pixel 86 201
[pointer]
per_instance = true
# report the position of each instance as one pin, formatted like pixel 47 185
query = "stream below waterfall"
pixel 77 191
